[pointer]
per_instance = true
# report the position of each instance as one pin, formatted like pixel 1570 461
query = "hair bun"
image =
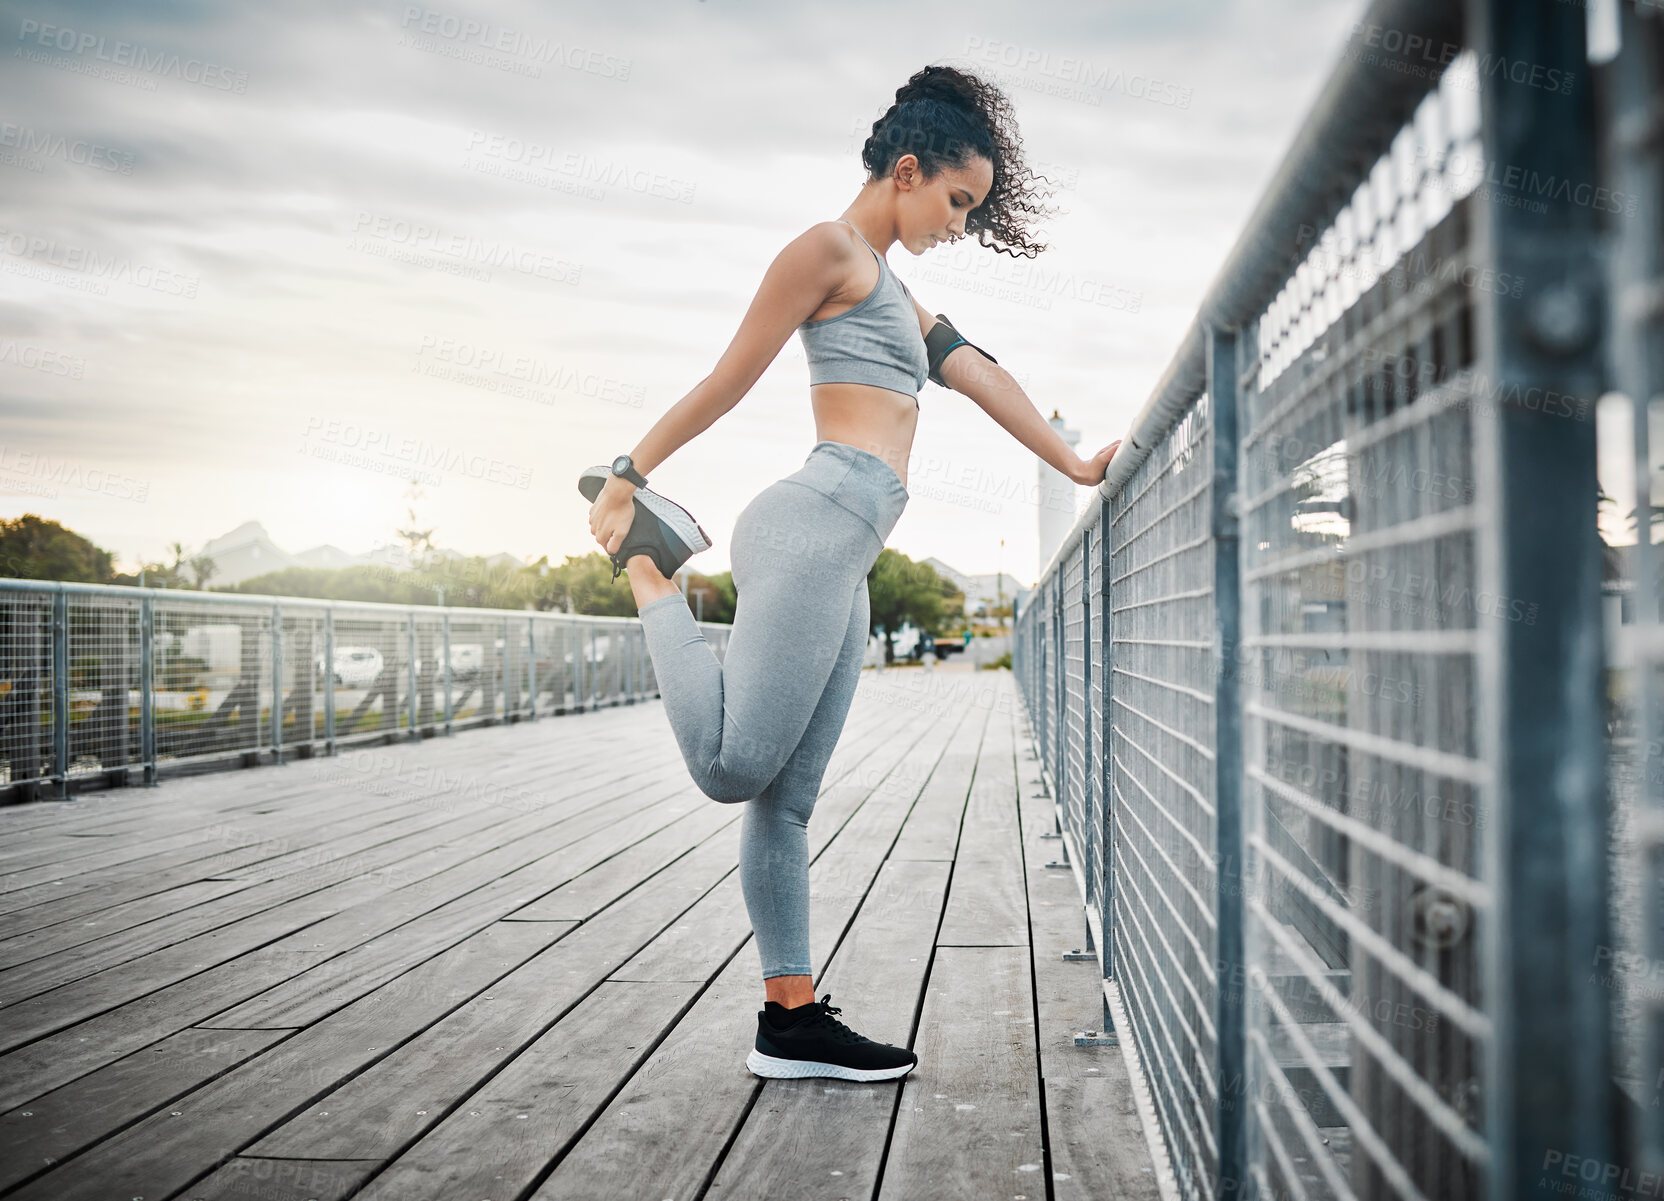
pixel 937 83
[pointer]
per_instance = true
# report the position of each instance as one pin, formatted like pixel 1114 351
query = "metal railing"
pixel 112 685
pixel 1315 679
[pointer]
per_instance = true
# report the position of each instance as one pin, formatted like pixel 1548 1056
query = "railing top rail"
pixel 132 592
pixel 1361 108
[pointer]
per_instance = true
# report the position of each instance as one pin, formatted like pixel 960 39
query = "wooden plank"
pixel 117 1024
pixel 49 1128
pixel 62 935
pixel 369 776
pixel 250 1178
pixel 932 831
pixel 969 1121
pixel 449 1060
pixel 281 908
pixel 240 846
pixel 180 804
pixel 191 1136
pixel 986 902
pixel 659 1135
pixel 499 1139
pixel 482 888
pixel 55 1060
pixel 1096 1138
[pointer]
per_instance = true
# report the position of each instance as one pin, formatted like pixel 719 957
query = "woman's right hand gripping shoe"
pixel 629 521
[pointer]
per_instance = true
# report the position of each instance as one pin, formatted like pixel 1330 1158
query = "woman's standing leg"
pixel 774 844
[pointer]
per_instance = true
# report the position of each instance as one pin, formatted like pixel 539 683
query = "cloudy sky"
pixel 265 262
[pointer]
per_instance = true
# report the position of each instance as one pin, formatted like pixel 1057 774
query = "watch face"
pixel 621 464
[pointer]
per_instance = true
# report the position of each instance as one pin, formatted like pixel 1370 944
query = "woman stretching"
pixel 759 726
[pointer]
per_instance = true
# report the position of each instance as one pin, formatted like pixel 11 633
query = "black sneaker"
pixel 662 530
pixel 818 1044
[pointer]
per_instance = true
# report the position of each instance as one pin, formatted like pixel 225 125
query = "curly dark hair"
pixel 944 116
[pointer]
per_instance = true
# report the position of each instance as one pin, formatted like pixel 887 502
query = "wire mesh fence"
pixel 104 686
pixel 1314 679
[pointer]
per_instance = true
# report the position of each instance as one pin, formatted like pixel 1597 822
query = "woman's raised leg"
pixel 798 559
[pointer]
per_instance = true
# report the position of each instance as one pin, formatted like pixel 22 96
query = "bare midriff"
pixel 873 419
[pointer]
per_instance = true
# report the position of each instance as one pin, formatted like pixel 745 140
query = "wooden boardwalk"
pixel 516 963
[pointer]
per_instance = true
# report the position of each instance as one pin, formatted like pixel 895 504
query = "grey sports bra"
pixel 876 342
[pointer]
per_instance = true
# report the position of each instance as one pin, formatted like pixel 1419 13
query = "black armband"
pixel 941 339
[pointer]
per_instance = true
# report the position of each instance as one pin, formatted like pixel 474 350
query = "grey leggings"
pixel 759 726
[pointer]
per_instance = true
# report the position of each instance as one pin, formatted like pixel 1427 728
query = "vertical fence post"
pixel 415 675
pixel 1230 999
pixel 1060 779
pixel 329 680
pixel 1092 831
pixel 1545 840
pixel 531 667
pixel 577 666
pixel 277 684
pixel 445 656
pixel 1106 769
pixel 147 687
pixel 503 675
pixel 60 694
pixel 1635 149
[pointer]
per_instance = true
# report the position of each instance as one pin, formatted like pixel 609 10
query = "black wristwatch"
pixel 623 468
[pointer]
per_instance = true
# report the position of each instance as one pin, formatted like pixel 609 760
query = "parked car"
pixel 467 659
pixel 355 666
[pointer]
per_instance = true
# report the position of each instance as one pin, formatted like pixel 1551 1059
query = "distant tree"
pixel 33 548
pixel 202 568
pixel 902 592
pixel 719 596
pixel 418 542
pixel 587 581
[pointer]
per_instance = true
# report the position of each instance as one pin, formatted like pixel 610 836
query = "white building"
pixel 982 592
pixel 1058 498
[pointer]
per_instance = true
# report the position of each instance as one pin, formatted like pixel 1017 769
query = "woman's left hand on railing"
pixel 1092 470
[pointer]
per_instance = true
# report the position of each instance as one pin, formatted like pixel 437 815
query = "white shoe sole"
pixel 795 1069
pixel 679 520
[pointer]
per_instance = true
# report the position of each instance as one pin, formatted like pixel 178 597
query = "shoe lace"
pixel 839 1031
